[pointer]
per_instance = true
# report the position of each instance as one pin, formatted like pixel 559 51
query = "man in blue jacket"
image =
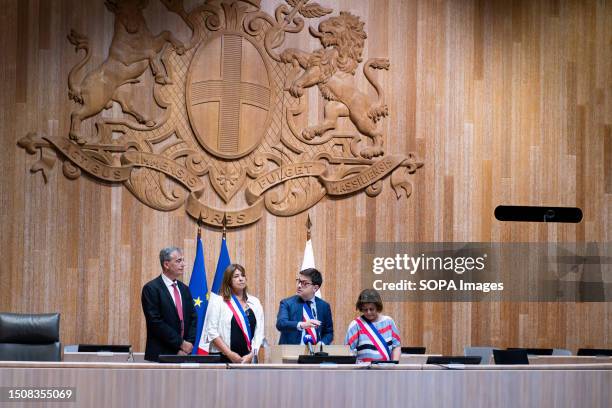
pixel 304 313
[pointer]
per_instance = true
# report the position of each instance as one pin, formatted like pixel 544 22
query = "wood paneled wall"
pixel 507 102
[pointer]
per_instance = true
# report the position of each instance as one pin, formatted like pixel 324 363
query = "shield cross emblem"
pixel 228 95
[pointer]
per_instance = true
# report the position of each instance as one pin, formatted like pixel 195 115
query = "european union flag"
pixel 222 264
pixel 199 290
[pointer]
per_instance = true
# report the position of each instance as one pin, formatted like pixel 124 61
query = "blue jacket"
pixel 290 313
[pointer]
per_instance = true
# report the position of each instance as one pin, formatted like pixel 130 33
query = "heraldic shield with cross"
pixel 230 135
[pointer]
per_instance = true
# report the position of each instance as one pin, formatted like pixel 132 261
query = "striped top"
pixel 358 340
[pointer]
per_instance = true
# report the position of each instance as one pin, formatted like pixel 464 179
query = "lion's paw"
pixel 296 91
pixel 162 79
pixel 372 151
pixel 287 56
pixel 310 133
pixel 378 112
pixel 76 138
pixel 76 96
pixel 381 63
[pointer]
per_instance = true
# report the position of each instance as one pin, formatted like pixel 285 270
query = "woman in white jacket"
pixel 234 323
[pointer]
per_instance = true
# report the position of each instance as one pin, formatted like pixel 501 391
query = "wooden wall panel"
pixel 506 102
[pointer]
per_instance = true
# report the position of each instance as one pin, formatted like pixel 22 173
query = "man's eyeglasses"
pixel 302 283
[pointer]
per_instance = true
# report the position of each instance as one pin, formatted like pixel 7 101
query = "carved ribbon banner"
pixel 364 178
pixel 85 162
pixel 281 175
pixel 228 104
pixel 166 166
pixel 214 216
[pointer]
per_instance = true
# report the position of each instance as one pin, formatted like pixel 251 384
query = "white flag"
pixel 308 261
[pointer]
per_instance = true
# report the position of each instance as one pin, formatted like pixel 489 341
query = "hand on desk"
pixel 248 358
pixel 234 357
pixel 186 347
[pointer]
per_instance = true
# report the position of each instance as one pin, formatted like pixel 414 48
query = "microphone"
pixel 308 341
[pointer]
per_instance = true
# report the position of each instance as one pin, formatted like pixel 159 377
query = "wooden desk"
pixel 537 360
pixel 153 385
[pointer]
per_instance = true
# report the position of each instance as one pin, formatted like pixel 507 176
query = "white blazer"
pixel 218 323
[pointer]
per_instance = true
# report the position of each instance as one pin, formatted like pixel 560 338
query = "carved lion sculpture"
pixel 132 51
pixel 332 69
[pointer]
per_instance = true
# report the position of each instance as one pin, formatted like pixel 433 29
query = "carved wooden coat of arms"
pixel 232 112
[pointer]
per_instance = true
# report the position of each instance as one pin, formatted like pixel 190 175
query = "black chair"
pixel 534 351
pixel 30 337
pixel 413 350
pixel 510 357
pixel 594 352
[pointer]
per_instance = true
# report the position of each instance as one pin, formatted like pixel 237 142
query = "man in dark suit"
pixel 171 329
pixel 304 313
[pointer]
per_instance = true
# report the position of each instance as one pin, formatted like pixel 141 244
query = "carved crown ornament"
pixel 232 112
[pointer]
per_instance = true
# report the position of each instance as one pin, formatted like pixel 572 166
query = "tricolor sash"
pixel 241 319
pixel 375 337
pixel 307 314
pixel 203 346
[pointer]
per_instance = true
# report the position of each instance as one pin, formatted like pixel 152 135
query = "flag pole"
pixel 224 222
pixel 199 291
pixel 308 260
pixel 224 259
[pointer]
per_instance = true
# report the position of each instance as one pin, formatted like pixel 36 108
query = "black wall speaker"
pixel 538 214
